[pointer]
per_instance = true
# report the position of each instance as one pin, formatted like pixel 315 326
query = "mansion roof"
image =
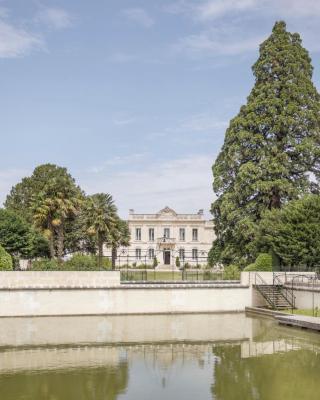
pixel 167 213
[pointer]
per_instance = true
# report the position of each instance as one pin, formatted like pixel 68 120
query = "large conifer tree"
pixel 271 152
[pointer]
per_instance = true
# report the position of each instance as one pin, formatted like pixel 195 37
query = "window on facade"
pixel 151 254
pixel 182 234
pixel 151 234
pixel 138 254
pixel 195 234
pixel 138 233
pixel 181 254
pixel 166 233
pixel 194 254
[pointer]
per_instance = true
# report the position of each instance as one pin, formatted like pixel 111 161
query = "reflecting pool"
pixel 198 357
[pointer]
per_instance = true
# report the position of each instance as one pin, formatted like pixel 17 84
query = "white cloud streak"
pixel 17 42
pixel 139 16
pixel 54 18
pixel 184 184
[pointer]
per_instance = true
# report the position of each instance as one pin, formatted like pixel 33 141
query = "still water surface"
pixel 194 357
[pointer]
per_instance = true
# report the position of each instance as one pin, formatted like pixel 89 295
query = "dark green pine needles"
pixel 271 150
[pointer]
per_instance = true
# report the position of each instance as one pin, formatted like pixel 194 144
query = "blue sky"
pixel 133 97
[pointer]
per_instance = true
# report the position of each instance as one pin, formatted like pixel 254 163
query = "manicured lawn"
pixel 307 312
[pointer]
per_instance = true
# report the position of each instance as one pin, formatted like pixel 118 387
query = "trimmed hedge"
pixel 6 263
pixel 78 262
pixel 263 263
pixel 231 272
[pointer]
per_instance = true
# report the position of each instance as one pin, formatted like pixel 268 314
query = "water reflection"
pixel 236 357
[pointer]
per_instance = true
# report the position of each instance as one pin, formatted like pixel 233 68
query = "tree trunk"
pixel 100 252
pixel 60 242
pixel 114 257
pixel 51 244
pixel 275 201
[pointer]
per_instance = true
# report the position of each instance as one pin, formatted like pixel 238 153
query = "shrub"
pixel 178 262
pixel 262 263
pixel 250 267
pixel 231 272
pixel 80 262
pixel 5 260
pixel 46 264
pixel 155 262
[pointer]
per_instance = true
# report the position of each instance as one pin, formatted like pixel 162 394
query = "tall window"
pixel 151 254
pixel 138 254
pixel 181 254
pixel 182 234
pixel 194 254
pixel 138 233
pixel 151 235
pixel 166 233
pixel 195 234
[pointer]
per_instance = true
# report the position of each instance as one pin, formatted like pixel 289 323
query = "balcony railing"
pixel 164 241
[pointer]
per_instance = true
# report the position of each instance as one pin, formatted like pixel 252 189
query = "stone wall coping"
pixel 137 286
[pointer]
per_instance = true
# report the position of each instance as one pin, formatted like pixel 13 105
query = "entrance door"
pixel 166 256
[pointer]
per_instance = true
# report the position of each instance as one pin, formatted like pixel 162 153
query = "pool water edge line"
pixel 290 320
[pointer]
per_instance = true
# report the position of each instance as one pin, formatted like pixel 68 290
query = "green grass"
pixel 306 312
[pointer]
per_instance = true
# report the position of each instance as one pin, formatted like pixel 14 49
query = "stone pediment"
pixel 167 212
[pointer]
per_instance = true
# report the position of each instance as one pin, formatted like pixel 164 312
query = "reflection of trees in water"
pixel 103 383
pixel 293 375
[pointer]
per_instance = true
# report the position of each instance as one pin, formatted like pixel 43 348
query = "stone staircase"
pixel 275 296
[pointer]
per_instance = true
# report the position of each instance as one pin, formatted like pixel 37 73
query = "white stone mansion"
pixel 167 235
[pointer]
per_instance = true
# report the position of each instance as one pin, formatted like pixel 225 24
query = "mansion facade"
pixel 165 236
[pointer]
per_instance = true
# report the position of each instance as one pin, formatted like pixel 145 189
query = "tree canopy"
pixel 271 151
pixel 18 238
pixel 293 232
pixel 48 199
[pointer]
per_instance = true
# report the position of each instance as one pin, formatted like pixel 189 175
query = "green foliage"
pixel 18 237
pixel 231 272
pixel 78 262
pixel 100 219
pixel 250 267
pixel 47 264
pixel 47 199
pixel 270 147
pixel 262 263
pixel 293 233
pixel 177 262
pixel 5 260
pixel 155 262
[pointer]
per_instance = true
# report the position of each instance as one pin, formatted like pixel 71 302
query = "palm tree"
pixel 120 236
pixel 50 214
pixel 100 219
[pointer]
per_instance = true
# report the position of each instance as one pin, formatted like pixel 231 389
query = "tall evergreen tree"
pixel 271 151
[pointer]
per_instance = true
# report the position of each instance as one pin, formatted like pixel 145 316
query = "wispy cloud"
pixel 206 10
pixel 54 18
pixel 17 42
pixel 183 183
pixel 121 58
pixel 118 161
pixel 139 16
pixel 216 43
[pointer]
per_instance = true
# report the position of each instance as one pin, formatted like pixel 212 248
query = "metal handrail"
pixel 263 282
pixel 287 294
